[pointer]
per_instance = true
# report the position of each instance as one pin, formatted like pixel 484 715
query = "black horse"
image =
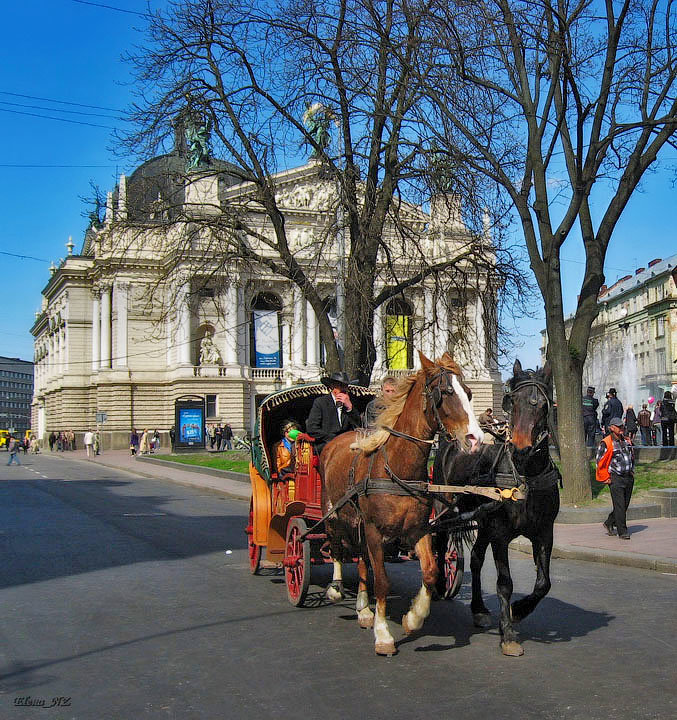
pixel 523 462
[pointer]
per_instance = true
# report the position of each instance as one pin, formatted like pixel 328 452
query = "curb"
pixel 609 557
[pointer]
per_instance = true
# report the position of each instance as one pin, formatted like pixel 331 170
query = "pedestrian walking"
pixel 89 444
pixel 218 436
pixel 155 443
pixel 668 418
pixel 13 449
pixel 228 437
pixel 97 443
pixel 144 445
pixel 616 467
pixel 644 422
pixel 134 442
pixel 172 436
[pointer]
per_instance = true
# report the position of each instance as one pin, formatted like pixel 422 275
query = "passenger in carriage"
pixel 284 451
pixel 334 413
pixel 376 406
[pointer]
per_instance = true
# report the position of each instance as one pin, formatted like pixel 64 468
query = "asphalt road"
pixel 118 598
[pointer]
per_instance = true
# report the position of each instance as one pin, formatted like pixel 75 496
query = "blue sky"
pixel 69 51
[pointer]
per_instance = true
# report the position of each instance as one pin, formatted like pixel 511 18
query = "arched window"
pixel 265 331
pixel 399 338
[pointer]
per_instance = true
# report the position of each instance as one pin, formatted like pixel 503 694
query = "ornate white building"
pixel 115 337
pixel 633 339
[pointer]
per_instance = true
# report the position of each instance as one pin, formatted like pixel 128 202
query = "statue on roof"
pixel 197 138
pixel 441 171
pixel 317 118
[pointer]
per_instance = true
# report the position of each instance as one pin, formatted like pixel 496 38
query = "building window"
pixel 660 326
pixel 660 361
pixel 211 406
pixel 265 331
pixel 399 344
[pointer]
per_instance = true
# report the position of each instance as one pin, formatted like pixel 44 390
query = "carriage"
pixel 283 510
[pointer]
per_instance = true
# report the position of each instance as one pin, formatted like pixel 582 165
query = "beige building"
pixel 633 343
pixel 116 338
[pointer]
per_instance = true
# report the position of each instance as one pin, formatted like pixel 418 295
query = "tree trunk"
pixel 568 375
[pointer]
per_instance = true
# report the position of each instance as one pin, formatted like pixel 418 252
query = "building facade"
pixel 116 338
pixel 633 341
pixel 16 393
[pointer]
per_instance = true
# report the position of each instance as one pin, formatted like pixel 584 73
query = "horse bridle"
pixel 541 388
pixel 435 397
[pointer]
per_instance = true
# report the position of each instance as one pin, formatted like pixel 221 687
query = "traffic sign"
pixel 101 417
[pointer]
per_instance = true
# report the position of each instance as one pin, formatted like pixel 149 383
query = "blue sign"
pixel 267 338
pixel 191 425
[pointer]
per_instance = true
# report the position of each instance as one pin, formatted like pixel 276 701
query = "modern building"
pixel 115 339
pixel 16 393
pixel 633 342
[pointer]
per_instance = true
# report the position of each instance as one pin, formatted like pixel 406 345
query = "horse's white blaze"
pixel 473 425
pixel 419 610
pixel 381 632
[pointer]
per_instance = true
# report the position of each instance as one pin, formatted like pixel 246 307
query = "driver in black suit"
pixel 334 413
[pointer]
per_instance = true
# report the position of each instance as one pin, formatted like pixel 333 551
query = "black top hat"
pixel 612 391
pixel 336 378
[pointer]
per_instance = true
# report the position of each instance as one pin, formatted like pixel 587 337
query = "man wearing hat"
pixel 613 408
pixel 616 468
pixel 334 413
pixel 590 405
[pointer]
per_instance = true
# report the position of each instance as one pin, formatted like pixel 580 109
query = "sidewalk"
pixel 653 545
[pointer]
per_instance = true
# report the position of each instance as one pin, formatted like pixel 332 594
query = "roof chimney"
pixel 639 270
pixel 655 262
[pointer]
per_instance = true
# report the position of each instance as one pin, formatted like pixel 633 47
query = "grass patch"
pixel 232 460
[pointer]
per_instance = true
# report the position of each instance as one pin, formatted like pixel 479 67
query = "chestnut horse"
pixel 385 475
pixel 525 459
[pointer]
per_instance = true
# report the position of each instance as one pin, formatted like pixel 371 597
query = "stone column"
pixel 298 330
pixel 311 335
pixel 105 328
pixel 287 359
pixel 120 298
pixel 379 339
pixel 230 350
pixel 183 330
pixel 443 325
pixel 242 328
pixel 481 353
pixel 429 322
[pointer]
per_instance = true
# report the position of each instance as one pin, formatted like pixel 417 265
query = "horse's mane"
pixel 393 410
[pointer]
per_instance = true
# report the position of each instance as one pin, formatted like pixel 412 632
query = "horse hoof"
pixel 365 622
pixel 334 594
pixel 385 648
pixel 405 626
pixel 512 649
pixel 482 620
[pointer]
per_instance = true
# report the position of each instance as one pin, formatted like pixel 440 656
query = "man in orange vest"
pixel 616 467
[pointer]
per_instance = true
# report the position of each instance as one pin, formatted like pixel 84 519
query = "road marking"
pixel 141 515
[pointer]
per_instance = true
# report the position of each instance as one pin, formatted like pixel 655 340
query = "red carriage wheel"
pixel 450 562
pixel 297 562
pixel 253 549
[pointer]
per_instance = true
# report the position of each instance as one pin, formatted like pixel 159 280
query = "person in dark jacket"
pixel 613 407
pixel 590 405
pixel 334 413
pixel 631 423
pixel 668 417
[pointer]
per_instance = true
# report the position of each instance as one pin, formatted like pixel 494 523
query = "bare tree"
pixel 563 106
pixel 340 79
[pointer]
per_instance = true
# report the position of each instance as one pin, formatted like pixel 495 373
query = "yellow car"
pixel 4 438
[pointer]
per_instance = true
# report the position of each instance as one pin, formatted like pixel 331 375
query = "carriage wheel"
pixel 297 562
pixel 450 562
pixel 253 549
